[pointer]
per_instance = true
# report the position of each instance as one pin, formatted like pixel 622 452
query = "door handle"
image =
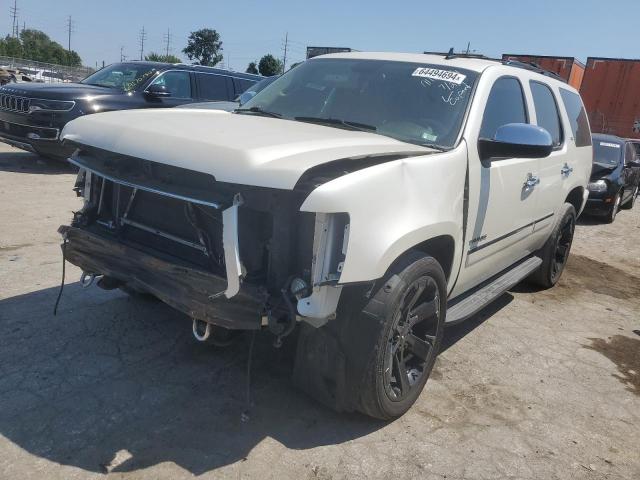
pixel 566 170
pixel 531 181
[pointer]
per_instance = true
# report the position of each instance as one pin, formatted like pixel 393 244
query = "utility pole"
pixel 284 58
pixel 167 41
pixel 468 47
pixel 143 37
pixel 69 29
pixel 14 15
pixel 123 57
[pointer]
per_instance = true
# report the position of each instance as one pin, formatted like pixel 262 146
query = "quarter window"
pixel 547 111
pixel 505 105
pixel 177 82
pixel 577 117
pixel 213 87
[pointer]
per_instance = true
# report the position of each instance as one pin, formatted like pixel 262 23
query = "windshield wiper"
pixel 338 122
pixel 259 111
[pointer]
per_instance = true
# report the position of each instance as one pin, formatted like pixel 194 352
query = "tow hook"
pixel 201 330
pixel 87 279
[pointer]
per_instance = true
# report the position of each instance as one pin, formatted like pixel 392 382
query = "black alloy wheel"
pixel 563 246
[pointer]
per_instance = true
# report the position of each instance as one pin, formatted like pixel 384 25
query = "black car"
pixel 32 115
pixel 615 176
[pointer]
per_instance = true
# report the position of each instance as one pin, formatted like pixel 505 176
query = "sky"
pixel 250 29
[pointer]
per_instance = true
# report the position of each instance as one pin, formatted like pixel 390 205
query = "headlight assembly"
pixel 38 104
pixel 598 186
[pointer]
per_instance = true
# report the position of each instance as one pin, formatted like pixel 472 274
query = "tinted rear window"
pixel 547 111
pixel 214 87
pixel 577 117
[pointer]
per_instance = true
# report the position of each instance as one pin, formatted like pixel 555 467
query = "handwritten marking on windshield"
pixel 455 95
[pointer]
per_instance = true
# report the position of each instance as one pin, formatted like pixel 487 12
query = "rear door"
pixel 555 169
pixel 212 87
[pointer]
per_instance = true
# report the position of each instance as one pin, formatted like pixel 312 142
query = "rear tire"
pixel 556 249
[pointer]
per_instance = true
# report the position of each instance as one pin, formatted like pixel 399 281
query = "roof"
pixel 197 68
pixel 551 57
pixel 607 137
pixel 474 64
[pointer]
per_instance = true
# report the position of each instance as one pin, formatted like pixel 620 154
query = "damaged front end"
pixel 229 255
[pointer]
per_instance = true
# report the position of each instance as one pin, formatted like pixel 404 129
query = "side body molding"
pixel 395 206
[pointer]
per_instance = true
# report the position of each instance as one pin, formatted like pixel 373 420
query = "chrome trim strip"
pixel 36 127
pixel 73 161
pixel 232 247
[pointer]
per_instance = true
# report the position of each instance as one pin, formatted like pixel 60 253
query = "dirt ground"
pixel 541 385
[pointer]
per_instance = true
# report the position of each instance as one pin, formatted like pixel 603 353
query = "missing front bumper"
pixel 183 287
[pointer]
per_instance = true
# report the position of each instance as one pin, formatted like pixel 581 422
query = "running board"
pixel 486 294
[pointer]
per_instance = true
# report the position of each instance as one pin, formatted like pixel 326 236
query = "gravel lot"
pixel 541 385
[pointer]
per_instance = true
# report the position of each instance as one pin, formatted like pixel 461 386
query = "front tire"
pixel 632 201
pixel 410 306
pixel 611 216
pixel 556 249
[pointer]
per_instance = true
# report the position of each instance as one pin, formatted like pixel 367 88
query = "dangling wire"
pixel 245 415
pixel 64 262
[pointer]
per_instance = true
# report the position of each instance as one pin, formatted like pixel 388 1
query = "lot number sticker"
pixel 610 145
pixel 437 74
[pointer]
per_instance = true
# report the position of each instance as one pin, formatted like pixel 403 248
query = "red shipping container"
pixel 569 68
pixel 611 94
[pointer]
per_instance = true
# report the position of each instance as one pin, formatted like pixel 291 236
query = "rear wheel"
pixel 555 251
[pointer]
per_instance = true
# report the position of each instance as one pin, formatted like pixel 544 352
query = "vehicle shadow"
pixel 589 220
pixel 454 333
pixel 19 161
pixel 116 384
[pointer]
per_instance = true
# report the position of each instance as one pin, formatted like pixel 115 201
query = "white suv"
pixel 371 197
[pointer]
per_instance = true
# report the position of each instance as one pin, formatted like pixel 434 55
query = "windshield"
pixel 606 153
pixel 416 103
pixel 122 76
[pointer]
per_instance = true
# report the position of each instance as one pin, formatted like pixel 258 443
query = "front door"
pixel 502 193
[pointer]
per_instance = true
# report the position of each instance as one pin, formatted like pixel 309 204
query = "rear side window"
pixel 214 87
pixel 577 117
pixel 242 85
pixel 547 111
pixel 505 105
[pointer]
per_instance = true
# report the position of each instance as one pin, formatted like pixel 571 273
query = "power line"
pixel 167 41
pixel 143 37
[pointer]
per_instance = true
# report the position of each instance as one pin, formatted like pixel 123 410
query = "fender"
pixel 395 206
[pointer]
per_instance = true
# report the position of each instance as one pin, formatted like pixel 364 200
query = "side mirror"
pixel 245 97
pixel 517 140
pixel 157 91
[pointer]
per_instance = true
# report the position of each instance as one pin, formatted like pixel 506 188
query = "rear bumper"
pixel 184 288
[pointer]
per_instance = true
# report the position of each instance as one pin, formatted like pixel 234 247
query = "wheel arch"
pixel 577 198
pixel 442 248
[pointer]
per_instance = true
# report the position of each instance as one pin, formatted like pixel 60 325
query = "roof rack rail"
pixel 534 67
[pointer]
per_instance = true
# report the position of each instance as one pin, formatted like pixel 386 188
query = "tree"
pixel 252 68
pixel 158 57
pixel 295 65
pixel 36 45
pixel 11 47
pixel 205 47
pixel 270 65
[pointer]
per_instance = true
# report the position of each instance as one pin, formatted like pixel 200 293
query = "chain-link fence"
pixel 45 72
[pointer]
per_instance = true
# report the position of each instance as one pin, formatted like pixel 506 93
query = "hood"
pixel 602 170
pixel 55 91
pixel 243 149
